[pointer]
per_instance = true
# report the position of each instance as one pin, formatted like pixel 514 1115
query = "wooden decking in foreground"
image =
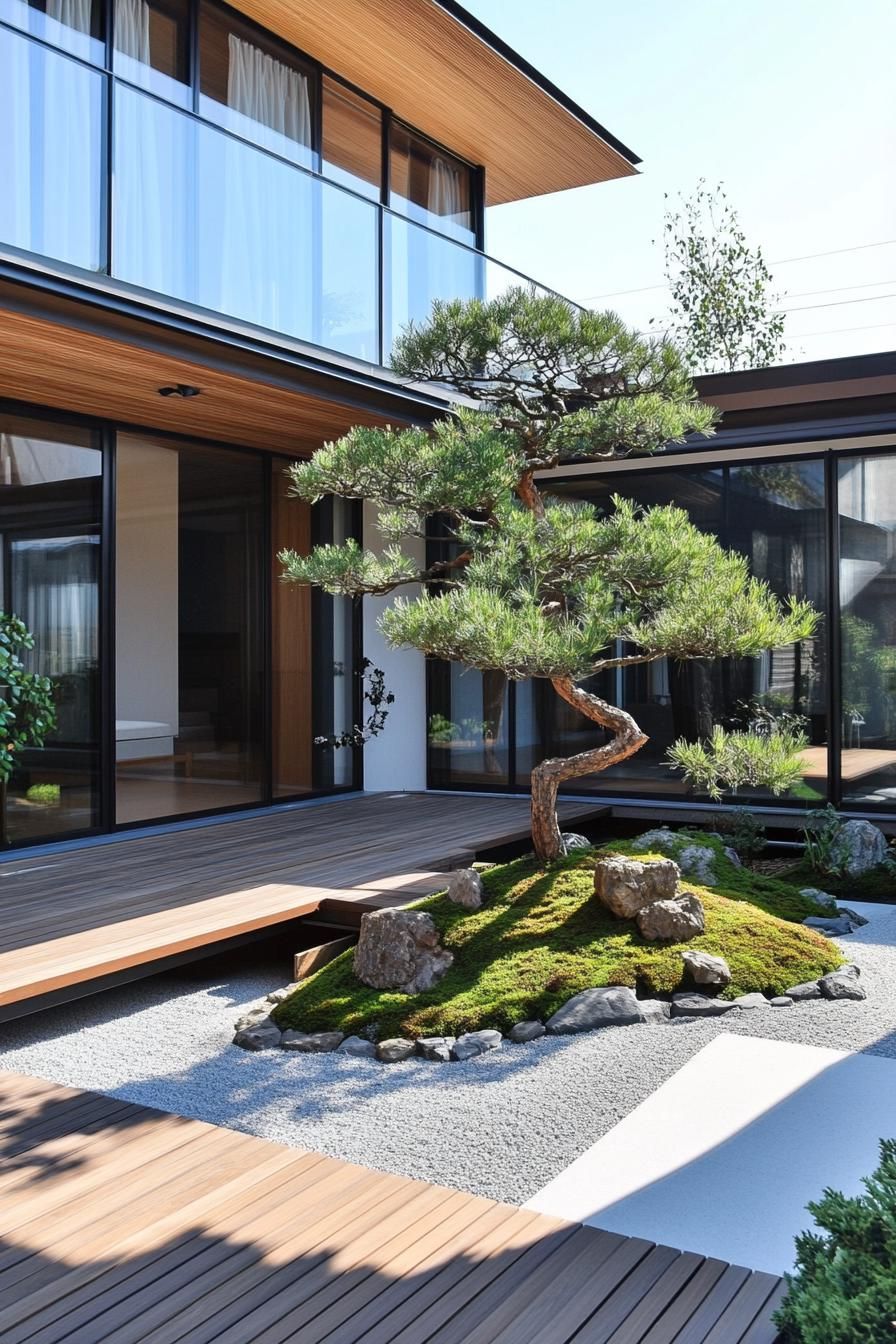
pixel 126 1225
pixel 69 920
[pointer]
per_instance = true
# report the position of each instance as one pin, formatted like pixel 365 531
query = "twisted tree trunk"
pixel 549 775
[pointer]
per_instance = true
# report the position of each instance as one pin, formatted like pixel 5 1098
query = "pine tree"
pixel 537 586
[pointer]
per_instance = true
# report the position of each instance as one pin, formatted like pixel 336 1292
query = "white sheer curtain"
pixel 50 119
pixel 261 226
pixel 154 144
pixel 445 194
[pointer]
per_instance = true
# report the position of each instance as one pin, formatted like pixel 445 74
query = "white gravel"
pixel 501 1125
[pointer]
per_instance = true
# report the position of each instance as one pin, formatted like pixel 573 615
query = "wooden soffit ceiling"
pixel 423 61
pixel 71 369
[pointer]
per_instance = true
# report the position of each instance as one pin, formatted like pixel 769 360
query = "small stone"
pixel 435 1047
pixel 673 921
pixel 572 841
pixel 258 1038
pixel 699 1005
pixel 400 949
pixel 705 969
pixel 253 1018
pixel 357 1047
pixel 858 847
pixel 655 1010
pixel 837 927
pixel 465 888
pixel 608 1006
pixel 523 1032
pixel 750 1001
pixel 476 1043
pixel 802 993
pixel 280 995
pixel 858 920
pixel 842 984
pixel 625 886
pixel 781 1001
pixel 311 1042
pixel 394 1050
pixel 817 897
pixel 732 856
pixel 695 861
pixel 661 839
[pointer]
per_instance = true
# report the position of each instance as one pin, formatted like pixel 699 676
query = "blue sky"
pixel 790 103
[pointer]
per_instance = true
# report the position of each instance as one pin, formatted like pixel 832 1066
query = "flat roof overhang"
pixel 438 68
pixel 74 345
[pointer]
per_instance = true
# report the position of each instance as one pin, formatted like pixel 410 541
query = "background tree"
pixel 723 309
pixel 537 586
pixel 27 711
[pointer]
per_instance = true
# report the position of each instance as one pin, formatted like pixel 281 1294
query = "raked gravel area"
pixel 500 1125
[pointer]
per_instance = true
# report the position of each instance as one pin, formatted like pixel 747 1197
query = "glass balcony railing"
pixel 168 202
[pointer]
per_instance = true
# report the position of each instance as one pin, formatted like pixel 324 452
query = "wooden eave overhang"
pixel 436 67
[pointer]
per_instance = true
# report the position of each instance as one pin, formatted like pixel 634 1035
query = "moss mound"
pixel 542 936
pixel 878 884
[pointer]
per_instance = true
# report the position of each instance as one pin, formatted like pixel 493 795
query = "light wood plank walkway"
pixel 71 918
pixel 125 1225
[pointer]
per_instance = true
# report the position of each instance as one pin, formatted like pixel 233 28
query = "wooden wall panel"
pixel 436 74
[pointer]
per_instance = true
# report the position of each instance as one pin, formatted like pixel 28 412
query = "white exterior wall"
pixel 396 759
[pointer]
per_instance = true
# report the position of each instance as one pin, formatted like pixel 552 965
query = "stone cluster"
pixel 647 891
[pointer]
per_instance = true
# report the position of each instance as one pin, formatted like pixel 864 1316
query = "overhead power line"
pixel 781 261
pixel 836 303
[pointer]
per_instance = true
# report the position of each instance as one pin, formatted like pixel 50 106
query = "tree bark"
pixel 549 775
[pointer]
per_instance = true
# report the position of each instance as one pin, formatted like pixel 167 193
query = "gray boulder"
pixel 625 886
pixel 255 1017
pixel 609 1006
pixel 523 1032
pixel 695 861
pixel 751 1001
pixel 573 841
pixel 700 1005
pixel 661 839
pixel 673 921
pixel 279 995
pixel 357 1047
pixel 262 1037
pixel 311 1042
pixel 394 1050
pixel 476 1043
pixel 435 1047
pixel 842 984
pixel 858 920
pixel 781 1001
pixel 802 993
pixel 732 856
pixel 705 969
pixel 822 898
pixel 400 949
pixel 465 888
pixel 655 1010
pixel 838 924
pixel 858 846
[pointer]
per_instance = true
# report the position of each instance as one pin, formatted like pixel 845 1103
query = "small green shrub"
pixel 820 833
pixel 844 1290
pixel 48 795
pixel 744 830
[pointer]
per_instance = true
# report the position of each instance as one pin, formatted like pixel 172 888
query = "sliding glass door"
pixel 50 570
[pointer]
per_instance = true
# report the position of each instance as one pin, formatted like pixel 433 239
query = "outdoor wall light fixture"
pixel 180 390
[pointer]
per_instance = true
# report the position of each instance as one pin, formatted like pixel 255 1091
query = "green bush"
pixel 743 829
pixel 844 1290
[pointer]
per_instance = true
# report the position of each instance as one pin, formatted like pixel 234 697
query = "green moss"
pixel 542 936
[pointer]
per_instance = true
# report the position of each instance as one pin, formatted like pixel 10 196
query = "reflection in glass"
pixel 50 153
pixel 74 26
pixel 352 145
pixel 152 47
pixel 50 479
pixel 430 185
pixel 468 745
pixel 420 268
pixel 867 508
pixel 189 650
pixel 333 656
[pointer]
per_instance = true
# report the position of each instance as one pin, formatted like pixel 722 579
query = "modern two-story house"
pixel 213 221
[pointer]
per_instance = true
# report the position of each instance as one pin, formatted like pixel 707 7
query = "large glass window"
pixel 152 46
pixel 867 508
pixel 430 185
pixel 75 26
pixel 352 135
pixel 50 501
pixel 50 153
pixel 189 629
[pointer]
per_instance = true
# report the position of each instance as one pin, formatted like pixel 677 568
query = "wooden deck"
pixel 126 1225
pixel 72 921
